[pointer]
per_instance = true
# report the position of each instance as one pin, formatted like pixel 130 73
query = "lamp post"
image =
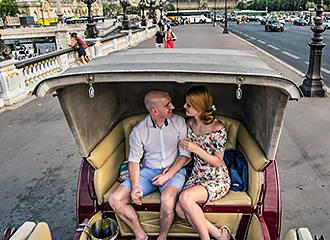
pixel 59 11
pixel 215 14
pixel 152 8
pixel 142 5
pixel 161 8
pixel 125 4
pixel 177 11
pixel 91 30
pixel 42 13
pixel 313 85
pixel 225 29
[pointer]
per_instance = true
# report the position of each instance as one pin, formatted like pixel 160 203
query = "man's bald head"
pixel 153 98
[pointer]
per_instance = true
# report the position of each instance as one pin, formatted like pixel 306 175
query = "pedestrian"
pixel 159 38
pixel 170 38
pixel 79 44
pixel 156 163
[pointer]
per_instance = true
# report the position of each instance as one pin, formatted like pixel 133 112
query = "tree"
pixel 8 8
pixel 133 10
pixel 111 9
pixel 241 5
pixel 169 7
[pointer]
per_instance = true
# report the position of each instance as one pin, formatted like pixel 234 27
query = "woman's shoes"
pixel 225 232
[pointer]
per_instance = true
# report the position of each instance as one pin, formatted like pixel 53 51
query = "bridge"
pixel 18 78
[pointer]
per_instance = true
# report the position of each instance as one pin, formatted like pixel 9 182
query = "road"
pixel 291 46
pixel 39 161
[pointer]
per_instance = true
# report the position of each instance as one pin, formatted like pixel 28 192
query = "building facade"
pixel 203 4
pixel 48 8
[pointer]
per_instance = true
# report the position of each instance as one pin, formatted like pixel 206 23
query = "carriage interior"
pixel 102 126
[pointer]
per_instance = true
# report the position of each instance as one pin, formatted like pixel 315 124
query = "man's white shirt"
pixel 157 147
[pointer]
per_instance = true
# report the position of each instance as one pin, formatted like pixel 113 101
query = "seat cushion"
pixel 41 231
pixel 232 198
pixel 24 231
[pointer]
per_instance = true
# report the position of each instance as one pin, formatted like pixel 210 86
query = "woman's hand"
pixel 189 145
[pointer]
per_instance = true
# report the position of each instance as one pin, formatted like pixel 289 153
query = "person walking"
pixel 160 39
pixel 170 38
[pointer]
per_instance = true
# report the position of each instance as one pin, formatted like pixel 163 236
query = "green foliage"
pixel 8 8
pixel 133 10
pixel 110 10
pixel 280 5
pixel 169 7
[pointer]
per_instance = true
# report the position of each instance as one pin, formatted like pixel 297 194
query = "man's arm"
pixel 170 172
pixel 135 154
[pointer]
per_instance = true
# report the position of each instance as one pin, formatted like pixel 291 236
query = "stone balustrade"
pixel 19 78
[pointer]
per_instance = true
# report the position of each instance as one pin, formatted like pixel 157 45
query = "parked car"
pixel 274 26
pixel 100 114
pixel 300 22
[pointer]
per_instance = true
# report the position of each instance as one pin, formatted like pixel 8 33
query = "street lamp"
pixel 42 13
pixel 125 4
pixel 161 7
pixel 313 85
pixel 152 13
pixel 215 14
pixel 142 5
pixel 91 30
pixel 225 29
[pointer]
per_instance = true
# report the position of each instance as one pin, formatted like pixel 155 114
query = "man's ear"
pixel 154 110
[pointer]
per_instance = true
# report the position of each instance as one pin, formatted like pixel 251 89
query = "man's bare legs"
pixel 168 200
pixel 187 208
pixel 120 201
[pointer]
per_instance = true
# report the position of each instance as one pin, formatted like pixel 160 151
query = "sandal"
pixel 223 228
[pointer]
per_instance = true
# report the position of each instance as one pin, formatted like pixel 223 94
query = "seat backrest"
pixel 109 154
pixel 24 231
pixel 128 124
pixel 41 231
pixel 113 150
pixel 32 231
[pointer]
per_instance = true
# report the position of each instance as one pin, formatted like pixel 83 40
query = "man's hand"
pixel 137 195
pixel 160 179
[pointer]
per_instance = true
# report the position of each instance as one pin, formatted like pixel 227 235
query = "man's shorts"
pixel 146 176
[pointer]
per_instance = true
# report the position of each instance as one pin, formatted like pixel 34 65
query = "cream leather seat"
pixel 32 231
pixel 109 154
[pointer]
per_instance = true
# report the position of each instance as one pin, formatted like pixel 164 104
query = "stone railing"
pixel 19 78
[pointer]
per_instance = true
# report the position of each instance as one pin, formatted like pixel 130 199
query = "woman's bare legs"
pixel 188 208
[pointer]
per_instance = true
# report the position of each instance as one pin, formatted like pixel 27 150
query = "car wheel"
pixel 266 29
pixel 282 29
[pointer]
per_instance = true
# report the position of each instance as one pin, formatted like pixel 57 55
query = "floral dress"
pixel 215 180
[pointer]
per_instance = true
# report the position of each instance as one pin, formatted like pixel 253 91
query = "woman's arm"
pixel 215 160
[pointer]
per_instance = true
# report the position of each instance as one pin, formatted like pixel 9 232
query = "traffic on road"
pixel 290 46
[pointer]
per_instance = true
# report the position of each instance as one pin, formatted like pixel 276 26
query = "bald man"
pixel 155 163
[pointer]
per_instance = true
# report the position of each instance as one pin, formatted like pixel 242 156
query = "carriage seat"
pixel 32 231
pixel 107 157
pixel 109 154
